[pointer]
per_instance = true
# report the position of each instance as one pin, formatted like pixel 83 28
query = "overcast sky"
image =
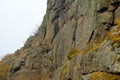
pixel 18 20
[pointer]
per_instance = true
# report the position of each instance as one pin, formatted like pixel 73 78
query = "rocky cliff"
pixel 78 40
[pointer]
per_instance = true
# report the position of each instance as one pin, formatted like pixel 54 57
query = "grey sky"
pixel 18 20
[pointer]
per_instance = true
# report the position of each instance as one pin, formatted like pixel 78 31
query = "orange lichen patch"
pixel 114 34
pixel 104 76
pixel 4 70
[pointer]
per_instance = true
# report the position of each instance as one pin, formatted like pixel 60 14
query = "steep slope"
pixel 78 40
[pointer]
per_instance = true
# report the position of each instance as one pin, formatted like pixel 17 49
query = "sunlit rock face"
pixel 78 40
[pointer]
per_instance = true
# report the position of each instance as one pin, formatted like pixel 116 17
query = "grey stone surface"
pixel 79 25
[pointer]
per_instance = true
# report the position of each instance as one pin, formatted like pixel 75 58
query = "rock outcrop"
pixel 78 40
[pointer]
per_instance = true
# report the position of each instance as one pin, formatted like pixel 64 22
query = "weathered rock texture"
pixel 78 40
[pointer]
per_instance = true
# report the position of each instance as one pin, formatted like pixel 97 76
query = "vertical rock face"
pixel 77 40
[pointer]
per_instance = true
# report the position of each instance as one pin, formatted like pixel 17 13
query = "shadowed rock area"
pixel 78 40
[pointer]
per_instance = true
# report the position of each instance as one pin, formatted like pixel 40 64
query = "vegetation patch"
pixel 73 52
pixel 114 33
pixel 104 76
pixel 4 70
pixel 64 71
pixel 92 46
